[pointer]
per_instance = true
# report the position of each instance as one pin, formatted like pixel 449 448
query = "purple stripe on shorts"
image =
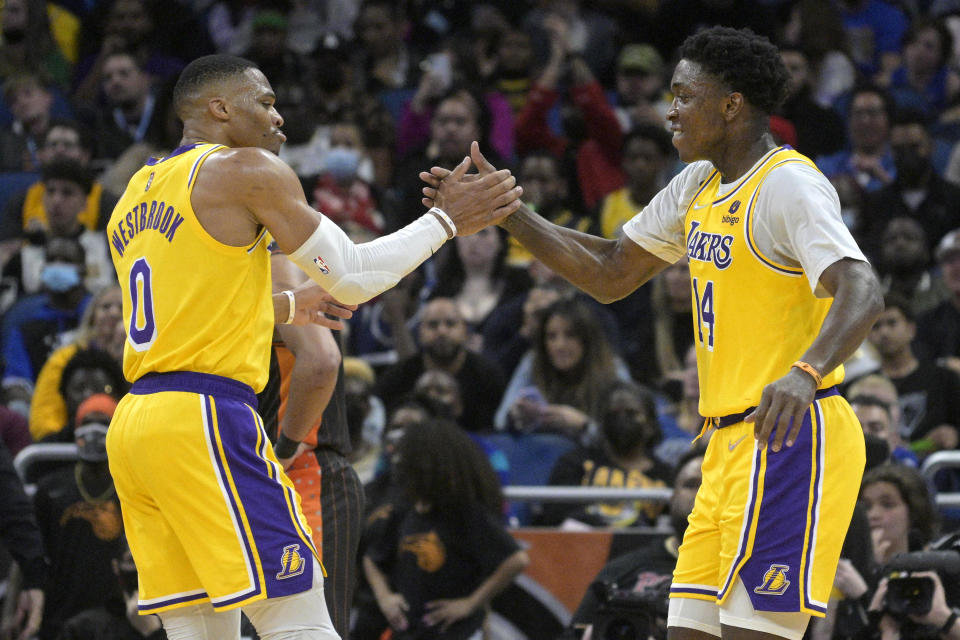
pixel 224 425
pixel 772 573
pixel 702 592
pixel 276 531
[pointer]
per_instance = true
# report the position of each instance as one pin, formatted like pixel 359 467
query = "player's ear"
pixel 733 105
pixel 217 106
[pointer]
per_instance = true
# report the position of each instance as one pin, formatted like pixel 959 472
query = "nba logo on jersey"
pixel 775 581
pixel 291 561
pixel 324 269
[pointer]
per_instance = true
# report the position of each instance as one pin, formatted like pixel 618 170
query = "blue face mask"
pixel 342 162
pixel 60 276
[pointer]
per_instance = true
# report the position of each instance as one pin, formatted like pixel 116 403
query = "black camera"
pixel 909 594
pixel 627 614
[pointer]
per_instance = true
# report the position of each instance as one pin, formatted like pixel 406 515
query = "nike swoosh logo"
pixel 700 207
pixel 733 445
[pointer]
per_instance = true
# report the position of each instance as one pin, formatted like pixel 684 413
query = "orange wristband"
pixel 806 368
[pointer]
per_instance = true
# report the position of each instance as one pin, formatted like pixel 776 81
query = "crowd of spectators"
pixel 572 96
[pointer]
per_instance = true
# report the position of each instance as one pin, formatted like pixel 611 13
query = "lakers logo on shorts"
pixel 775 581
pixel 291 561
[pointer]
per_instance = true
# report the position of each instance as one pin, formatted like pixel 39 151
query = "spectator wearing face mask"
pixel 622 457
pixel 342 191
pixel 79 517
pixel 32 326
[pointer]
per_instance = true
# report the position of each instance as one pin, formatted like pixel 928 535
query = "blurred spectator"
pixel 592 137
pixel 514 65
pixel 916 192
pixel 291 74
pixel 546 190
pixel 622 456
pixel 903 262
pixel 22 540
pixel 647 154
pixel 876 419
pixel 366 416
pixel 587 33
pixel 641 97
pixel 820 130
pixel 902 514
pixel 438 560
pixel 460 117
pixel 101 327
pixel 939 330
pixel 32 326
pixel 672 316
pixel 66 191
pixel 383 60
pixel 130 106
pixel 79 516
pixel 878 386
pixel 816 28
pixel 118 618
pixel 681 421
pixel 443 345
pixel 868 159
pixel 925 81
pixel 687 17
pixel 229 24
pixel 384 487
pixel 929 393
pixel 477 277
pixel 25 212
pixel 342 190
pixel 30 103
pixel 875 31
pixel 446 72
pixel 648 571
pixel 28 45
pixel 89 372
pixel 559 385
pixel 512 326
pixel 129 26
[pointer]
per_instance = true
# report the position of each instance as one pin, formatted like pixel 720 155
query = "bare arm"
pixel 606 269
pixel 314 373
pixel 245 188
pixel 856 304
pixel 393 605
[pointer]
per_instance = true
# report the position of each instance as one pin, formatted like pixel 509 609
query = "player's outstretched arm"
pixel 606 269
pixel 353 273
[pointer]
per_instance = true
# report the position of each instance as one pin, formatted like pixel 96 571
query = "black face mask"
pixel 877 448
pixel 624 432
pixel 911 166
pixel 14 36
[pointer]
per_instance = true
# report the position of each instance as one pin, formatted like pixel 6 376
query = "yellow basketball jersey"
pixel 753 317
pixel 190 303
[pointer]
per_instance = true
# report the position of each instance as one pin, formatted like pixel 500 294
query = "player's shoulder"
pixel 234 167
pixel 795 175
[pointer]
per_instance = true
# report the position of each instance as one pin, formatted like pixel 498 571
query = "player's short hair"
pixel 206 71
pixel 746 62
pixel 69 170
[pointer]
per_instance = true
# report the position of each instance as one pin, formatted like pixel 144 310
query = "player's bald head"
pixel 204 74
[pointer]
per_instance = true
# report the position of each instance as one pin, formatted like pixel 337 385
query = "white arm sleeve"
pixel 354 273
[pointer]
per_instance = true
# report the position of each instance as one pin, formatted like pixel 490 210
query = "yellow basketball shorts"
pixel 775 519
pixel 209 513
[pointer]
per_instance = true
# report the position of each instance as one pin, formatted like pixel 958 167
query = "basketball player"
pixel 213 522
pixel 781 296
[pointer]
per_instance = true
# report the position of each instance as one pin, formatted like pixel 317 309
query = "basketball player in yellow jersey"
pixel 213 521
pixel 782 296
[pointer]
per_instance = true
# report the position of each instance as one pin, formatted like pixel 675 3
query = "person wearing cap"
pixel 641 95
pixel 938 331
pixel 79 516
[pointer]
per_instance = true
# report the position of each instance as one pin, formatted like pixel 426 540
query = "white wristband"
pixel 443 215
pixel 293 306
